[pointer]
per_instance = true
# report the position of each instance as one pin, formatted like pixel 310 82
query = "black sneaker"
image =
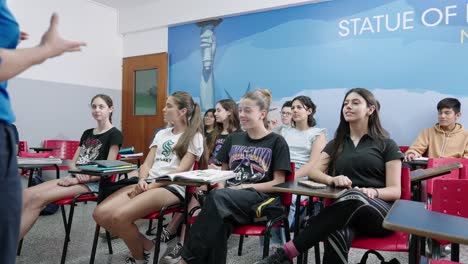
pixel 174 256
pixel 166 236
pixel 279 257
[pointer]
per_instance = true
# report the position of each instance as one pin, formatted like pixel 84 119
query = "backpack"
pixel 379 256
pixel 50 209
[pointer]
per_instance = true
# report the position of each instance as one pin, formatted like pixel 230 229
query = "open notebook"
pixel 312 184
pixel 205 176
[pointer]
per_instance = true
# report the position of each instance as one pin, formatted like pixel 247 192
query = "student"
pixel 305 143
pixel 260 160
pixel 286 117
pixel 447 139
pixel 174 149
pixel 227 122
pixel 363 159
pixel 209 122
pixel 101 142
pixel 12 63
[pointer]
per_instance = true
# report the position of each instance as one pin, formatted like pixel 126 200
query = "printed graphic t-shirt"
pixel 166 159
pixel 254 160
pixel 96 147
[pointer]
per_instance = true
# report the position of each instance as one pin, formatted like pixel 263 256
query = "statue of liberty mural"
pixel 208 50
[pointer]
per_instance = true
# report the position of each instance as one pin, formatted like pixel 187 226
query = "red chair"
pixel 398 241
pixel 403 149
pixel 449 197
pixel 455 174
pixel 23 146
pixel 63 149
pixel 265 230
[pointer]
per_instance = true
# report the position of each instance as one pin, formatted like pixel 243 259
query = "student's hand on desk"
pixel 370 192
pixel 410 157
pixel 65 182
pixel 341 181
pixel 82 178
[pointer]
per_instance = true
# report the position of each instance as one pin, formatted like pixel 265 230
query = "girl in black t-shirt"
pixel 260 160
pixel 227 122
pixel 102 142
pixel 363 159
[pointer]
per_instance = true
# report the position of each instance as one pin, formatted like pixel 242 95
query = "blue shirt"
pixel 9 38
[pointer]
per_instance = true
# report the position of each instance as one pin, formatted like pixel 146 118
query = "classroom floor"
pixel 43 244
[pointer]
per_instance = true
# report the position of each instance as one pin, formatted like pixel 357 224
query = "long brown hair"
pixel 375 129
pixel 233 122
pixel 194 124
pixel 262 98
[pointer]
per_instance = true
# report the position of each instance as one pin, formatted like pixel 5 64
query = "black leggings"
pixel 351 214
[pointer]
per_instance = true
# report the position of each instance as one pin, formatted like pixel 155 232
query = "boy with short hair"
pixel 447 139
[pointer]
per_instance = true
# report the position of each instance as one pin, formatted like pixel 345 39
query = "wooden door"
pixel 144 95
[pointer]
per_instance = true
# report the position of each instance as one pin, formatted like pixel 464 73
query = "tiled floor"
pixel 43 244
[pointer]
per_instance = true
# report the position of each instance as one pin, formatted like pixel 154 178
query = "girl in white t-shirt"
pixel 305 143
pixel 173 149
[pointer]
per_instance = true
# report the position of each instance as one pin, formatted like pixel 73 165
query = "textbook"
pixel 205 176
pixel 312 184
pixel 106 165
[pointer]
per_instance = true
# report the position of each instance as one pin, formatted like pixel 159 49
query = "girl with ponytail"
pixel 260 159
pixel 174 149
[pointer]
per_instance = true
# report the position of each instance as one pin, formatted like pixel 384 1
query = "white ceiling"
pixel 123 4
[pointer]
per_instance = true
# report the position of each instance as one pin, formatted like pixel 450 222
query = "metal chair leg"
pixel 241 242
pixel 67 231
pixel 95 240
pixel 20 245
pixel 109 243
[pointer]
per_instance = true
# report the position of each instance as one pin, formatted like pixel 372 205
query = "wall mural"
pixel 410 53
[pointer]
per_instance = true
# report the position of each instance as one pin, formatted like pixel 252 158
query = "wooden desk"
pixel 295 188
pixel 413 218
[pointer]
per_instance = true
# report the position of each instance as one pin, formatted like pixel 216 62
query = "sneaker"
pixel 131 260
pixel 166 236
pixel 150 254
pixel 279 257
pixel 174 256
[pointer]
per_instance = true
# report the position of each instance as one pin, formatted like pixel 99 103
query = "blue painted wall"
pixel 409 53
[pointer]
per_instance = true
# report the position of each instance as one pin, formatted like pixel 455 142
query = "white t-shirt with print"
pixel 300 143
pixel 166 159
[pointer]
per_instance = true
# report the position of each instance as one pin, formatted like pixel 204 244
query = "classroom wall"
pixel 411 54
pixel 149 22
pixel 51 100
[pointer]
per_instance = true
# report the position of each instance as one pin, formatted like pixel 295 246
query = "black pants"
pixel 223 209
pixel 10 196
pixel 350 215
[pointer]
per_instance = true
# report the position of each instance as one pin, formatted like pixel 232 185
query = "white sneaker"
pixel 162 251
pixel 174 256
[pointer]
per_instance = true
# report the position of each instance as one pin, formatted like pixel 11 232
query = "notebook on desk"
pixel 105 165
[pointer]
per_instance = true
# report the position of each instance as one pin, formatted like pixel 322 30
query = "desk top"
pixel 412 217
pixel 294 187
pixel 38 162
pixel 102 173
pixel 37 149
pixel 420 175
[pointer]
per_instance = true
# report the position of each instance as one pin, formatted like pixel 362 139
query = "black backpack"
pixel 379 256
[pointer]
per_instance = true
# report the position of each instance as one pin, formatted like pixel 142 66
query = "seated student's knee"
pixel 33 198
pixel 102 215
